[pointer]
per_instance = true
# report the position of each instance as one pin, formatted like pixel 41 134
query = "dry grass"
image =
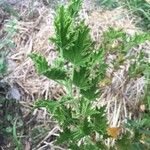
pixel 121 97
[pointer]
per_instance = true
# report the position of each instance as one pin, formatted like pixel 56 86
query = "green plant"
pixel 7 44
pixel 109 4
pixel 8 8
pixel 3 64
pixel 74 112
pixel 84 126
pixel 137 134
pixel 138 67
pixel 17 141
pixel 10 30
pixel 116 41
pixel 140 8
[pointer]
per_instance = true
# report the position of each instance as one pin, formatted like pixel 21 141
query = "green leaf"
pixel 42 68
pixel 90 93
pixel 124 142
pixel 86 109
pixel 64 34
pixel 41 63
pixel 112 34
pixel 78 52
pixel 89 147
pixel 16 139
pixel 55 74
pixel 99 121
pixel 3 62
pixel 63 115
pixel 97 57
pixel 140 8
pixel 50 105
pixel 64 136
pixel 74 7
pixel 123 42
pixel 110 4
pixel 78 133
pixel 145 132
pixel 139 66
pixel 72 40
pixel 86 128
pixel 59 111
pixel 137 146
pixel 136 40
pixel 81 78
pixel 73 136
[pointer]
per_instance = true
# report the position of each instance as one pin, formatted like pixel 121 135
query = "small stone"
pixel 13 94
pixel 142 108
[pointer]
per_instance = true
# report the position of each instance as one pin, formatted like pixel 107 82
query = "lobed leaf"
pixel 42 68
pixel 81 78
pixel 78 52
pixel 74 7
pixel 41 63
pixel 63 29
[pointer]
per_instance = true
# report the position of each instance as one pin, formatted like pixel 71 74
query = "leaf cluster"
pixel 116 41
pixel 137 135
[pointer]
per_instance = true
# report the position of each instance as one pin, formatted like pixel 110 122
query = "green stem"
pixel 70 84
